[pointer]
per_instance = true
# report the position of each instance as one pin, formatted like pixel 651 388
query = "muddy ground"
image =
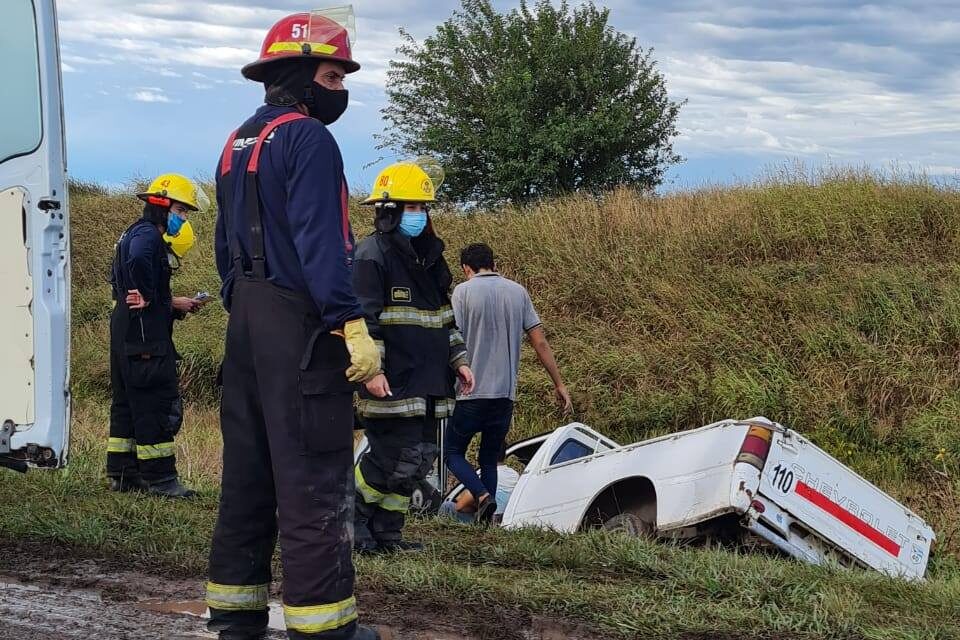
pixel 52 592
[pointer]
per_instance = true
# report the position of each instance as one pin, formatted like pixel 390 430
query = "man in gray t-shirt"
pixel 493 314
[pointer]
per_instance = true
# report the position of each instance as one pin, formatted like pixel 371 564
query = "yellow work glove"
pixel 364 355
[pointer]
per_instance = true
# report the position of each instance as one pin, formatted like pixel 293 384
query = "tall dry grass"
pixel 829 302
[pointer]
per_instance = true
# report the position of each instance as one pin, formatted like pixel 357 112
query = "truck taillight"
pixel 755 447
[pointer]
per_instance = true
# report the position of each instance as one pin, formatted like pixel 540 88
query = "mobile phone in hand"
pixel 202 297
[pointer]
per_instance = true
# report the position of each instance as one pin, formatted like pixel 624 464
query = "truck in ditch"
pixel 746 480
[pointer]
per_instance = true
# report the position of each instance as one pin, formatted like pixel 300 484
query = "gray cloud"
pixel 873 82
pixel 849 81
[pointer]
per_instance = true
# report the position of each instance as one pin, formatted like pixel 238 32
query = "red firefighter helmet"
pixel 308 36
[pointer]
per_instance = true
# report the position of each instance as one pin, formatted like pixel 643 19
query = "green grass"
pixel 830 303
pixel 624 587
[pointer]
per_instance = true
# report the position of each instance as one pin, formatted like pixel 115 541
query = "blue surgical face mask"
pixel 413 223
pixel 174 223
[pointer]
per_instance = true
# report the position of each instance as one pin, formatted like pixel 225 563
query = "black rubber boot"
pixel 366 547
pixel 398 546
pixel 251 625
pixel 241 635
pixel 128 484
pixel 364 632
pixel 171 489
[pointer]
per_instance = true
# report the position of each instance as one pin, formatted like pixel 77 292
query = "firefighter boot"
pixel 171 489
pixel 399 546
pixel 363 541
pixel 242 635
pixel 127 483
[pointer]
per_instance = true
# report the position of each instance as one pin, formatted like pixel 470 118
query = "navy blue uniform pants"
pixel 287 422
pixel 146 411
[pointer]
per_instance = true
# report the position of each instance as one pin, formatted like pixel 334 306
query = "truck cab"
pixel 34 242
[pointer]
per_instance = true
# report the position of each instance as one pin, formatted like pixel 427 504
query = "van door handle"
pixel 48 205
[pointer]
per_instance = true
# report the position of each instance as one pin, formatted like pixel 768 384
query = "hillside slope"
pixel 831 305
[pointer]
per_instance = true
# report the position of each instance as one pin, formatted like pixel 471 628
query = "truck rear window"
pixel 570 450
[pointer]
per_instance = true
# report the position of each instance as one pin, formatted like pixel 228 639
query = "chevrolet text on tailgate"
pixel 734 479
pixel 811 503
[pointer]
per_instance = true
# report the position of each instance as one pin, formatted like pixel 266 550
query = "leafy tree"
pixel 531 103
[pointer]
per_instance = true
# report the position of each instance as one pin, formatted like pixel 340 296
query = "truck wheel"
pixel 629 524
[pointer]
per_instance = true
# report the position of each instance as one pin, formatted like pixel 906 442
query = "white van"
pixel 34 242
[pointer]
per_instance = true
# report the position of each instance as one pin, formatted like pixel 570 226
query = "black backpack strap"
pixel 117 285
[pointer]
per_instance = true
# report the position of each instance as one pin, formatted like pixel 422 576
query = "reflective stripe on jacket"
pixel 404 293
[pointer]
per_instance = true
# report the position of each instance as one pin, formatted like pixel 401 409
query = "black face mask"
pixel 325 104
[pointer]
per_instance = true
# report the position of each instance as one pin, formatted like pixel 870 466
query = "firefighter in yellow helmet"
pixel 403 284
pixel 146 411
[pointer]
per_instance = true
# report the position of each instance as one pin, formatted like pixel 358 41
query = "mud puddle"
pixel 34 611
pixel 541 629
pixel 198 609
pixel 59 592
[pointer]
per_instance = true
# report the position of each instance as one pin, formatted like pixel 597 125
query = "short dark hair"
pixel 478 256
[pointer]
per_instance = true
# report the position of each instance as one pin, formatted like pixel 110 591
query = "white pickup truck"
pixel 734 478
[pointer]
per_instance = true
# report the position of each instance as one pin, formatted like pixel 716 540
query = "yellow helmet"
pixel 173 186
pixel 181 243
pixel 402 182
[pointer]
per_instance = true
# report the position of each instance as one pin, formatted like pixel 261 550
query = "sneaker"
pixel 486 511
pixel 171 489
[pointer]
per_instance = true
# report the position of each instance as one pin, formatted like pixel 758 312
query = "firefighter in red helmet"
pixel 296 347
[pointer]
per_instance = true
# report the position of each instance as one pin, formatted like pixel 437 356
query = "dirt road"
pixel 49 592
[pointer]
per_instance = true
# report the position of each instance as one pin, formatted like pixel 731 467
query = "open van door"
pixel 34 241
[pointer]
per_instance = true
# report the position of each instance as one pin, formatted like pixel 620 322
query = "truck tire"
pixel 630 524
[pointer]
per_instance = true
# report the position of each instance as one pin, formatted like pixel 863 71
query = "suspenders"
pixel 252 212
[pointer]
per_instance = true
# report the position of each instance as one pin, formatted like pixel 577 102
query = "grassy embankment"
pixel 831 305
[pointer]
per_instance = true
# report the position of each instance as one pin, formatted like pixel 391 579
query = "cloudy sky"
pixel 155 86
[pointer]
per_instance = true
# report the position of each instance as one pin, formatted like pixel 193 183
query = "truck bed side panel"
pixel 691 472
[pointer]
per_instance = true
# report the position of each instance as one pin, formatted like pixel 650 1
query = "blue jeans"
pixel 491 419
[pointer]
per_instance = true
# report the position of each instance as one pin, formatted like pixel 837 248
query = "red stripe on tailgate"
pixel 806 491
